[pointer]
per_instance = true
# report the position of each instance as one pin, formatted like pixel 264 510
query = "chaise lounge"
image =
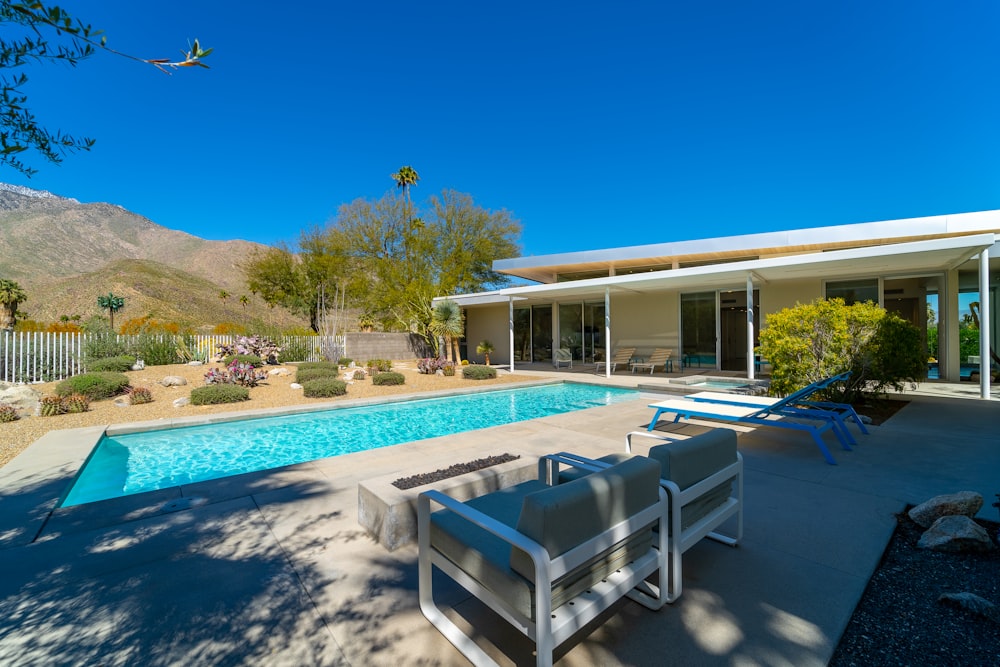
pixel 548 557
pixel 621 356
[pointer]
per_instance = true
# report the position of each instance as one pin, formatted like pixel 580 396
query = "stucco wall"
pixel 488 323
pixel 645 321
pixel 785 294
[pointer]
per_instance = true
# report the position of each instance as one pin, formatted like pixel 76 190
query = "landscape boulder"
pixel 295 385
pixel 173 381
pixel 956 533
pixel 20 396
pixel 965 503
pixel 181 402
pixel 279 371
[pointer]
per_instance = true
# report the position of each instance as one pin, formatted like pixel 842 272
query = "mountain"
pixel 65 254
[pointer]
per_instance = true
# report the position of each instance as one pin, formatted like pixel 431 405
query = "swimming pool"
pixel 132 463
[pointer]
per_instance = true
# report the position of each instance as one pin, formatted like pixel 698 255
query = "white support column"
pixel 510 324
pixel 984 324
pixel 750 357
pixel 607 332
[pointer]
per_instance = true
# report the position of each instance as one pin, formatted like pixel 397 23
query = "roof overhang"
pixel 919 257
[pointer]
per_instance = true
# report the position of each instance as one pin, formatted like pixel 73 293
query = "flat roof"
pixel 658 256
pixel 897 259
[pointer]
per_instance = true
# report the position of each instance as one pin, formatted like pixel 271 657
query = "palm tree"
pixel 223 294
pixel 11 296
pixel 244 300
pixel 113 304
pixel 485 348
pixel 447 321
pixel 405 177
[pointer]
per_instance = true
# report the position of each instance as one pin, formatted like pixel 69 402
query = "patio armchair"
pixel 562 356
pixel 548 557
pixel 703 478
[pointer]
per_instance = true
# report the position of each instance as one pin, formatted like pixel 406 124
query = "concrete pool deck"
pixel 272 568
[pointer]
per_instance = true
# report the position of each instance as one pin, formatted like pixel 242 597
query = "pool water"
pixel 131 463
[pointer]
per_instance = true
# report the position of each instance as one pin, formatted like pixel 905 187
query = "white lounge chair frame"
pixel 621 356
pixel 551 627
pixel 562 356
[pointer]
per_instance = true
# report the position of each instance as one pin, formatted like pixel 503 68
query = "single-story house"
pixel 707 299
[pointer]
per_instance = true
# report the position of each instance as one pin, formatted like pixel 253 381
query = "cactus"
pixel 49 406
pixel 141 395
pixel 8 413
pixel 75 403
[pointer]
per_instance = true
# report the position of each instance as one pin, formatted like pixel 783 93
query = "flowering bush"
pixel 431 366
pixel 238 372
pixel 264 348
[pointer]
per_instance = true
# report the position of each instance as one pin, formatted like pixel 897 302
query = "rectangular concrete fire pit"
pixel 390 514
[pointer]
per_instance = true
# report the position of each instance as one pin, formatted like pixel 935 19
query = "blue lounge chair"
pixel 796 404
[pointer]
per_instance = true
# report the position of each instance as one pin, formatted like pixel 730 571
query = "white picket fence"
pixel 36 356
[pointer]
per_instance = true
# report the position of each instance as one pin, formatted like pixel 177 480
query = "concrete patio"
pixel 272 568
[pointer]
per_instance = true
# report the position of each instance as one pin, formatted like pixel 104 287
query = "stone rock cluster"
pixel 949 524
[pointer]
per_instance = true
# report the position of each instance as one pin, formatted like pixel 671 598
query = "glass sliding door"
pixel 522 334
pixel 698 330
pixel 541 333
pixel 571 329
pixel 593 331
pixel 733 328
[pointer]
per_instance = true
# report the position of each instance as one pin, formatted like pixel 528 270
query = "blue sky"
pixel 596 125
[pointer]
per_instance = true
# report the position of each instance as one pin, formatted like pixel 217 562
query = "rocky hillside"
pixel 65 254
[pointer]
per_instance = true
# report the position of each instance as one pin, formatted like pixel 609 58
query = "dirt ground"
pixel 274 392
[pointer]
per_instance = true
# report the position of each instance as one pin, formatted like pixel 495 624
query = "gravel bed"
pixel 900 621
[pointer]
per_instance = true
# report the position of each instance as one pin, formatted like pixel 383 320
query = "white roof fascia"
pixel 958 223
pixel 792 263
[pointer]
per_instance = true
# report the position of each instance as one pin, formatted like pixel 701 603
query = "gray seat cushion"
pixel 687 462
pixel 559 518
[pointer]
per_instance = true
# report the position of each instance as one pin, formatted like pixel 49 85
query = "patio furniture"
pixel 548 558
pixel 756 416
pixel 562 356
pixel 659 357
pixel 621 356
pixel 699 475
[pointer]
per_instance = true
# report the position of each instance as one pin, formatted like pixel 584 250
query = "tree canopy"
pixel 390 263
pixel 33 32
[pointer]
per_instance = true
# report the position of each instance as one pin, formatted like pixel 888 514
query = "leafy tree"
pixel 399 264
pixel 826 337
pixel 112 304
pixel 11 296
pixel 34 32
pixel 447 321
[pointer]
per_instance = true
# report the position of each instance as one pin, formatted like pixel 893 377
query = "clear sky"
pixel 595 124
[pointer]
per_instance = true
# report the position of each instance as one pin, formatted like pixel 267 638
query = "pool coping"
pixel 73 447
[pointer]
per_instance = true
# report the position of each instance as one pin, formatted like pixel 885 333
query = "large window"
pixel 853 291
pixel 698 329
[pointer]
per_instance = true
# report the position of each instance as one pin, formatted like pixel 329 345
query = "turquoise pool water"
pixel 136 462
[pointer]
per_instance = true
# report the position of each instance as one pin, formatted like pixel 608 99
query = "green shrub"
pixel 388 378
pixel 360 374
pixel 324 388
pixel 251 359
pixel 472 372
pixel 305 375
pixel 94 386
pixel 111 364
pixel 141 395
pixel 103 346
pixel 309 365
pixel 219 393
pixel 378 366
pixel 8 413
pixel 294 349
pixel 813 341
pixel 345 361
pixel 156 350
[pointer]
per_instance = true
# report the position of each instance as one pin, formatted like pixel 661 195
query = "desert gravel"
pixel 274 392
